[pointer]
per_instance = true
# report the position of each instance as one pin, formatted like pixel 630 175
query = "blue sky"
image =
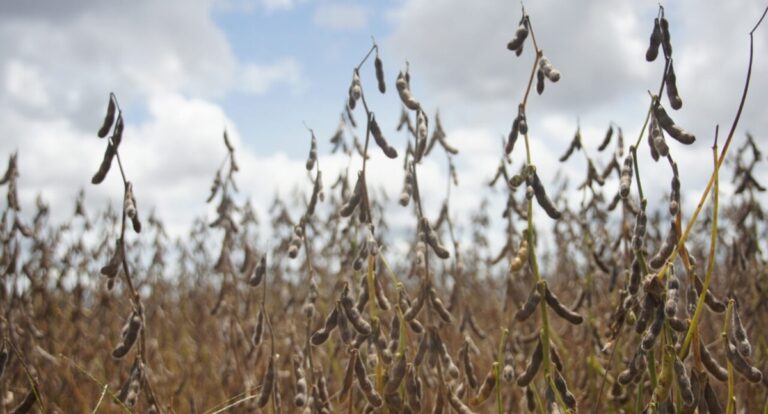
pixel 185 69
pixel 325 48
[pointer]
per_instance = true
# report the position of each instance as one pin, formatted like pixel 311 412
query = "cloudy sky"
pixel 183 70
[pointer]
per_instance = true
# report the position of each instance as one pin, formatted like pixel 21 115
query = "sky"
pixel 184 70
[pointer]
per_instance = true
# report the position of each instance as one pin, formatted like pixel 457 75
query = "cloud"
pixel 339 16
pixel 278 4
pixel 600 49
pixel 137 50
pixel 258 79
pixel 169 65
pixel 172 71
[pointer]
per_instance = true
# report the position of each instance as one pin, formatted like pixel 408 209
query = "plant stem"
pixel 499 360
pixel 730 406
pixel 710 262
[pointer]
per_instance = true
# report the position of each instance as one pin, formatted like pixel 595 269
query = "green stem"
pixel 710 264
pixel 499 360
pixel 730 403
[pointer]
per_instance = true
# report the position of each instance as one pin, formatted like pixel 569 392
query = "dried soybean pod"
pixel 129 335
pixel 404 91
pixel 520 35
pixel 739 334
pixel 555 356
pixel 267 383
pixel 508 371
pixel 109 118
pixel 562 389
pixel 355 318
pixel 713 404
pixel 651 146
pixel 413 389
pixel 487 388
pixel 312 157
pixel 741 365
pixel 345 333
pixel 26 404
pixel 533 367
pixel 512 138
pixel 714 304
pixel 638 233
pixel 129 206
pixel 530 400
pixel 607 139
pixel 432 240
pixel 675 131
pixel 666 248
pixel 349 207
pixel 378 136
pixel 626 376
pixel 379 73
pixel 466 364
pixel 560 309
pixel 678 325
pixel 300 397
pixel 416 305
pixel 396 375
pixel 457 404
pixel 439 307
pixel 655 42
pixel 416 326
pixel 3 360
pixel 542 198
pixel 522 121
pixel 649 338
pixel 666 42
pixel 530 305
pixel 675 101
pixel 381 299
pixel 355 90
pixel 111 269
pixel 674 196
pixel 445 357
pixel 258 330
pixel 539 81
pixel 568 152
pixel 106 163
pixel 656 140
pixel 373 398
pixel 549 71
pixel 625 182
pixel 135 221
pixel 711 364
pixel 646 312
pixel 322 334
pixel 683 382
pixel 117 134
pixel 475 326
pixel 258 274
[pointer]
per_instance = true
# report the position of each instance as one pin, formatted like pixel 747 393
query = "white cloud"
pixel 599 47
pixel 167 62
pixel 271 5
pixel 25 84
pixel 179 64
pixel 341 16
pixel 139 50
pixel 258 79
